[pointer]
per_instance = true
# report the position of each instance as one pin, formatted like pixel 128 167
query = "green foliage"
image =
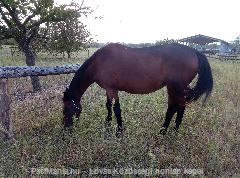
pixel 22 19
pixel 67 36
pixel 43 26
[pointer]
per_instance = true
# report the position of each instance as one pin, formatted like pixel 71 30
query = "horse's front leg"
pixel 176 103
pixel 113 94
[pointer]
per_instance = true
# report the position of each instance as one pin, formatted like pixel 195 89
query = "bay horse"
pixel 140 71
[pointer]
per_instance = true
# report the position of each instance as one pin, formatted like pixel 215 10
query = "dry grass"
pixel 208 139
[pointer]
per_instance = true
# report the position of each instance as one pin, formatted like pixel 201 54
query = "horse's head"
pixel 71 108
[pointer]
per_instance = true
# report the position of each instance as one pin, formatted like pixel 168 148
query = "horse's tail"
pixel 204 83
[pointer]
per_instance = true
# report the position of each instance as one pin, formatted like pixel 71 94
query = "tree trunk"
pixel 30 61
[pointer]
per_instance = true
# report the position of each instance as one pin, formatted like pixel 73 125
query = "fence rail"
pixel 24 71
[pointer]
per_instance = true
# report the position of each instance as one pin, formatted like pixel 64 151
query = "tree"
pixel 21 20
pixel 236 44
pixel 67 36
pixel 165 41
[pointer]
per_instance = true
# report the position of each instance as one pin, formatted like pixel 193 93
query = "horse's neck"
pixel 80 84
pixel 81 90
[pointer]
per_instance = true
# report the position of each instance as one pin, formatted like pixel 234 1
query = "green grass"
pixel 208 138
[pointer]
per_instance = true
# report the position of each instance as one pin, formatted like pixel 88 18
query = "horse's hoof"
pixel 163 131
pixel 119 132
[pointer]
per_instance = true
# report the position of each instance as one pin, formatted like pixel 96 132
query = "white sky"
pixel 138 21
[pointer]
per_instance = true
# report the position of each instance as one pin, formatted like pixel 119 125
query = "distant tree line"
pixel 236 44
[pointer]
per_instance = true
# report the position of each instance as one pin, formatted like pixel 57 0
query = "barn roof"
pixel 201 40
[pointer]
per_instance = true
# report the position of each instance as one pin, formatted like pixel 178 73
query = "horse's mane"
pixel 77 77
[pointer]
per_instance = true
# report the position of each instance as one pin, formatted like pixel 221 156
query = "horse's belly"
pixel 142 87
pixel 132 85
pixel 138 80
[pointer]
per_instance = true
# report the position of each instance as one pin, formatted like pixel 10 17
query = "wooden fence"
pixel 6 128
pixel 224 57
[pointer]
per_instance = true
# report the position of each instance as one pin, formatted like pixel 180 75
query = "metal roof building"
pixel 205 40
pixel 201 40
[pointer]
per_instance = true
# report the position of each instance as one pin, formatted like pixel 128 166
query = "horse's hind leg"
pixel 180 113
pixel 176 103
pixel 171 110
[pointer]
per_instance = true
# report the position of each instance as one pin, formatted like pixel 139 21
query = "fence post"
pixel 5 120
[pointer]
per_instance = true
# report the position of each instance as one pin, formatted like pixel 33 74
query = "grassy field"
pixel 208 140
